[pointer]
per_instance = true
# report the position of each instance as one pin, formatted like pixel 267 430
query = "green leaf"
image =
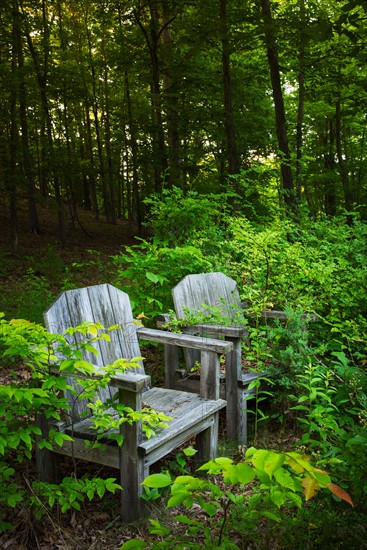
pixel 152 277
pixel 268 461
pixel 157 481
pixel 190 451
pixel 178 498
pixel 188 521
pixel 239 473
pixel 284 479
pixel 24 436
pixel 271 516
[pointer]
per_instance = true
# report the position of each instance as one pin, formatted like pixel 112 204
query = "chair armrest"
pixel 217 330
pixel 129 381
pixel 185 340
pixel 276 314
pixel 202 328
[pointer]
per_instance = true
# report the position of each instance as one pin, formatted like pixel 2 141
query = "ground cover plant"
pixel 319 399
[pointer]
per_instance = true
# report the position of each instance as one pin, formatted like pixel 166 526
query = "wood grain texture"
pixel 217 290
pixel 192 414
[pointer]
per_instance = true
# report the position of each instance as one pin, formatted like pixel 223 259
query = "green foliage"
pixel 258 487
pixel 189 232
pixel 70 493
pixel 34 293
pixel 178 218
pixel 41 393
pixel 153 269
pixel 320 266
pixel 332 403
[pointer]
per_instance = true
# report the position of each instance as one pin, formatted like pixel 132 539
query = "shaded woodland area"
pixel 104 103
pixel 145 140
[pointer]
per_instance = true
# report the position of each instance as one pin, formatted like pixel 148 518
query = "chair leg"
pixel 47 466
pixel 132 474
pixel 132 469
pixel 47 462
pixel 236 415
pixel 207 441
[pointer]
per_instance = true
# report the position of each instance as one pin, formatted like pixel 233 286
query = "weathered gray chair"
pixel 195 293
pixel 193 415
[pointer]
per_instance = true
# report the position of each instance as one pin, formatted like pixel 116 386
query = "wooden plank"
pixel 209 375
pixel 216 330
pixel 107 456
pixel 176 440
pixel 184 340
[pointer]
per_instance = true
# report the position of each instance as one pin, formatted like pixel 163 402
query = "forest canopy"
pixel 103 103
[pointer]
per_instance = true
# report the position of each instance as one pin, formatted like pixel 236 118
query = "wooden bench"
pixel 192 415
pixel 195 293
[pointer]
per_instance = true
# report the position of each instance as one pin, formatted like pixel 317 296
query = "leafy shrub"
pixel 40 393
pixel 150 270
pixel 178 218
pixel 234 496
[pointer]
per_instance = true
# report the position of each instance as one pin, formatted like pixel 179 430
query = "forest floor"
pixel 87 234
pixel 97 525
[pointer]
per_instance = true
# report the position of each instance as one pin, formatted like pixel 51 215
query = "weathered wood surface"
pixel 196 292
pixel 217 290
pixel 192 415
pixel 184 340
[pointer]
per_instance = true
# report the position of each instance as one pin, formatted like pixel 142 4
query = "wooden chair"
pixel 194 293
pixel 193 415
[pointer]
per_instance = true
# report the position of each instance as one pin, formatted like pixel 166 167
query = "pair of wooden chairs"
pixel 193 414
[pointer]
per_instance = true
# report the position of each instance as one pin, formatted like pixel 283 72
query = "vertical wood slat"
pixel 171 365
pixel 209 381
pixel 236 416
pixel 132 470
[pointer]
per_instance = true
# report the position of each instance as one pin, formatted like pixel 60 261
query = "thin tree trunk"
pixel 329 163
pixel 30 187
pixel 232 153
pixel 301 101
pixel 175 174
pixel 135 203
pixel 280 119
pixel 107 141
pixel 12 179
pixel 343 170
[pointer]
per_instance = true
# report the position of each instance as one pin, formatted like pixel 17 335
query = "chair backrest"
pixel 210 289
pixel 206 289
pixel 103 304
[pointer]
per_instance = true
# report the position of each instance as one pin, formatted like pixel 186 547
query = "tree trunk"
pixel 343 169
pixel 30 187
pixel 301 101
pixel 42 76
pixel 135 199
pixel 175 174
pixel 329 163
pixel 12 175
pixel 232 154
pixel 280 119
pixel 107 134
